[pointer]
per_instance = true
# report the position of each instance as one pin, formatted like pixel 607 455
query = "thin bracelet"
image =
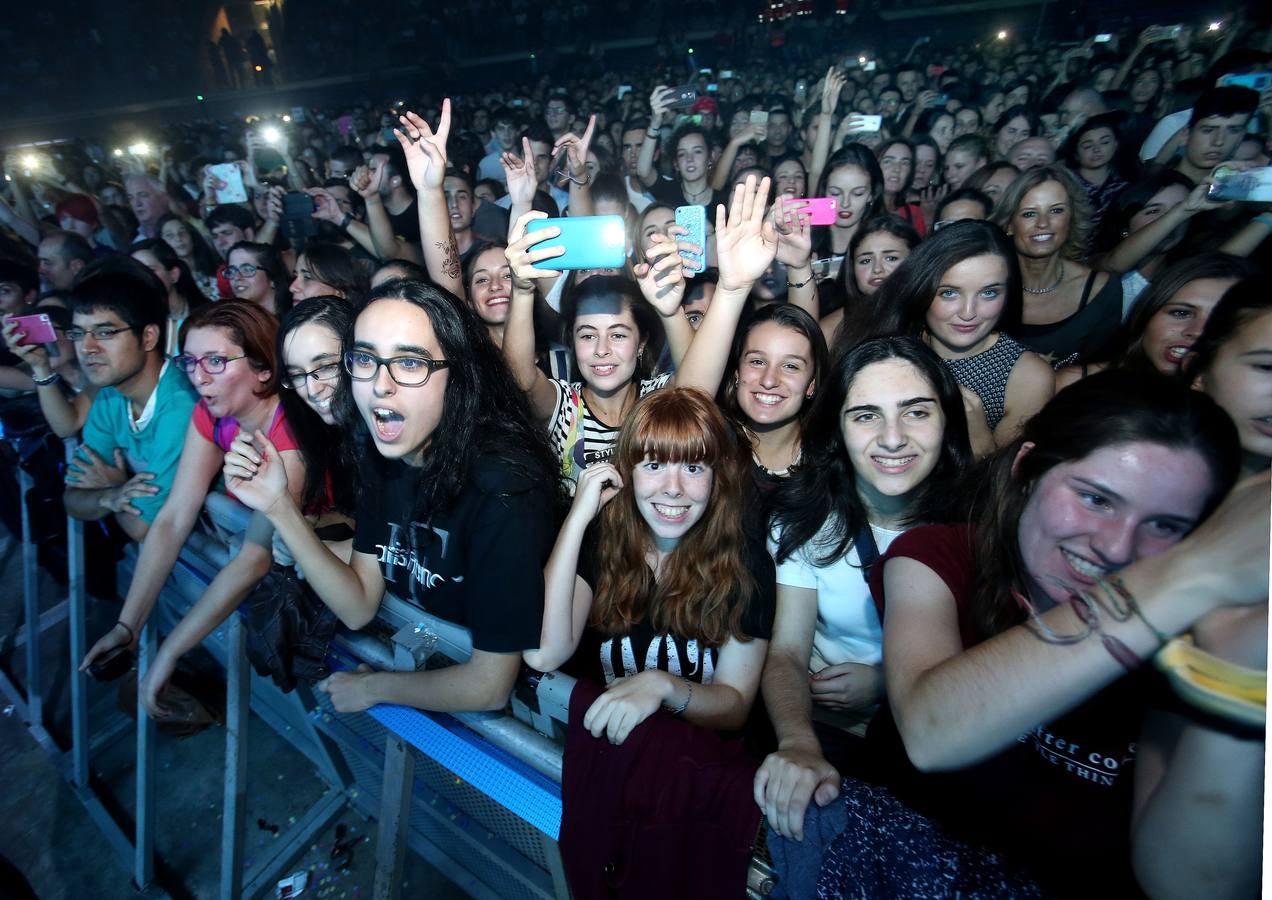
pixel 1085 609
pixel 1122 591
pixel 45 382
pixel 132 635
pixel 800 284
pixel 682 707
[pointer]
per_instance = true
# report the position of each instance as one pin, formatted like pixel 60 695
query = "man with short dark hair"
pixel 136 426
pixel 392 212
pixel 506 130
pixel 62 255
pixel 1215 128
pixel 19 283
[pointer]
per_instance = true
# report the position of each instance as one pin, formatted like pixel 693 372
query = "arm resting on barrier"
pixel 483 683
pixel 199 463
pixel 227 590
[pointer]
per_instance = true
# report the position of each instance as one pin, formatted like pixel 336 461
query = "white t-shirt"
pixel 848 627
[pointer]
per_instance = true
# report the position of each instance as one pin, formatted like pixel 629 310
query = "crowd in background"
pixel 924 397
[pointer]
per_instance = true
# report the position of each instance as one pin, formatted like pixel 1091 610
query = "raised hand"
pixel 522 256
pixel 34 355
pixel 425 148
pixel 575 149
pixel 746 241
pixel 254 472
pixel 326 208
pixel 832 85
pixel 366 181
pixel 794 228
pixel 660 104
pixel 929 199
pixel 662 278
pixel 520 175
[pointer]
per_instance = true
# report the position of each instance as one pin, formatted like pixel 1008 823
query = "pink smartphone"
pixel 821 210
pixel 37 329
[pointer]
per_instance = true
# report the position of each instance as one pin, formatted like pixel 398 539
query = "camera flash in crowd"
pixel 270 134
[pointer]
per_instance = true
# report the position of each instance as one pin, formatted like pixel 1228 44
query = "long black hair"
pixel 186 286
pixel 484 413
pixel 338 267
pixel 823 492
pixel 206 260
pixel 329 458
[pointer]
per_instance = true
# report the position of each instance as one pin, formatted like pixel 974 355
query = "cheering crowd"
pixel 922 401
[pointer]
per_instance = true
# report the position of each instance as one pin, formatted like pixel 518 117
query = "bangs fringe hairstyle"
pixel 707 573
pixel 249 325
pixel 1116 406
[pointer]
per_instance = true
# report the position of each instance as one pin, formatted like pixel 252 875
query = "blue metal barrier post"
pixel 143 830
pixel 31 605
pixel 75 564
pixel 237 706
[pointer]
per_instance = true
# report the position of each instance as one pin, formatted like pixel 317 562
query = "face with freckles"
pixel 672 497
pixel 1087 518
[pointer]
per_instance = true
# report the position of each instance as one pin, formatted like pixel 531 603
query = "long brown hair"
pixel 705 582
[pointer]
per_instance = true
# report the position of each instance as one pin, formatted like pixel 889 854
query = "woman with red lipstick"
pixel 1071 311
pixel 667 602
pixel 1007 645
pixel 886 438
pixel 960 290
pixel 853 178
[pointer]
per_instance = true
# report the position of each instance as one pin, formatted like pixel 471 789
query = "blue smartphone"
pixel 591 242
pixel 694 220
pixel 1255 81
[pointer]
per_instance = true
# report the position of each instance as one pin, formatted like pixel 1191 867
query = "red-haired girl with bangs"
pixel 666 600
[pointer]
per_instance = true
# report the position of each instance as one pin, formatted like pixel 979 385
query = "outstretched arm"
pixel 425 151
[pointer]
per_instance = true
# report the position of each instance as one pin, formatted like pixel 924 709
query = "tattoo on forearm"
pixel 450 259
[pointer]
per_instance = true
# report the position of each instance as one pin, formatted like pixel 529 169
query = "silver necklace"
pixel 1051 290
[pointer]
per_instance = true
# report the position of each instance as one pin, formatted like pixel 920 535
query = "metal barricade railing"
pixel 135 850
pixel 435 782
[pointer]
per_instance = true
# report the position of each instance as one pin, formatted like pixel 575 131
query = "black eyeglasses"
pixel 408 371
pixel 213 365
pixel 325 372
pixel 247 270
pixel 99 334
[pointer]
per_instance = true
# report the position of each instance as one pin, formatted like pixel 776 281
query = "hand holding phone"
pixel 694 220
pixel 820 210
pixel 229 180
pixel 682 97
pixel 590 242
pixel 36 329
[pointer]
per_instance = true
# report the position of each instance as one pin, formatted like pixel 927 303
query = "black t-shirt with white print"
pixel 603 659
pixel 478 564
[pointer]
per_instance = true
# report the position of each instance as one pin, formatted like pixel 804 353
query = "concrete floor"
pixel 46 833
